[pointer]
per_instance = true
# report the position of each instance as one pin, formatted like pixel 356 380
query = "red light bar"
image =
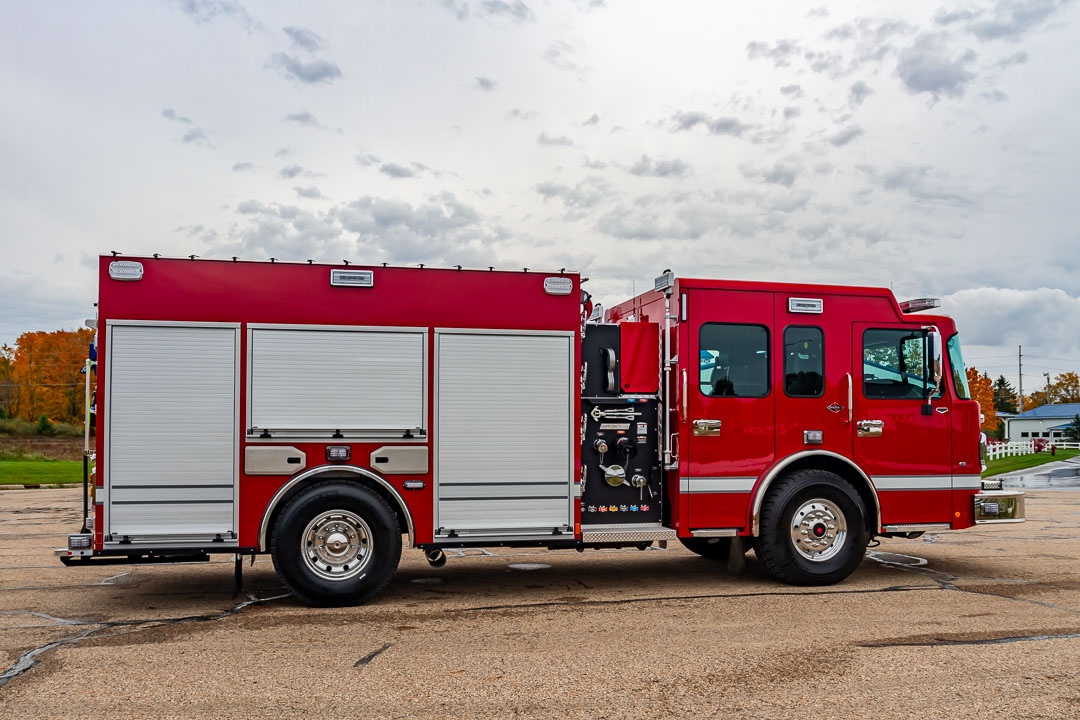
pixel 919 304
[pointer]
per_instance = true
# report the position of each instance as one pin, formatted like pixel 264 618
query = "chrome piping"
pixel 665 412
pixel 850 397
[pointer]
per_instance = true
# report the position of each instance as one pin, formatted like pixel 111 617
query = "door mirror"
pixel 934 369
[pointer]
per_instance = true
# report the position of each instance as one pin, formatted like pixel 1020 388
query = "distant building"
pixel 1047 421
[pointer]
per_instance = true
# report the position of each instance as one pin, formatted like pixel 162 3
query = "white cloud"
pixel 925 146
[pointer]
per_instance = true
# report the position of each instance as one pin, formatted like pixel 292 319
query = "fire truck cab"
pixel 319 413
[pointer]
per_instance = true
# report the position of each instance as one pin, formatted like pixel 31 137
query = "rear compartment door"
pixel 171 424
pixel 504 433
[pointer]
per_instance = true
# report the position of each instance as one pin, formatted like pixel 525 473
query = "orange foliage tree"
pixel 41 375
pixel 982 390
pixel 1064 389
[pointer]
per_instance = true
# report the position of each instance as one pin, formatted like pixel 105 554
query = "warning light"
pixel 957 513
pixel 338 453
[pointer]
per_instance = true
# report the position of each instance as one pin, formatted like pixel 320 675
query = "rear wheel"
pixel 813 529
pixel 336 543
pixel 712 548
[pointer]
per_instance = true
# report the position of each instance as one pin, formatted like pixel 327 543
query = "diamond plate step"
pixel 626 532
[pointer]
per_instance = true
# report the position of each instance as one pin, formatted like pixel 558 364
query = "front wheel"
pixel 336 544
pixel 813 529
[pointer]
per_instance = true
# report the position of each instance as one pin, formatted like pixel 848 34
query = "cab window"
pixel 956 362
pixel 804 362
pixel 734 360
pixel 895 365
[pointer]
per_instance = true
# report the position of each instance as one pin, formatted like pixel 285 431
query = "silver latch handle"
pixel 706 428
pixel 870 428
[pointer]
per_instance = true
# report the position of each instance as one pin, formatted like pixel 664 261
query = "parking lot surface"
pixel 977 623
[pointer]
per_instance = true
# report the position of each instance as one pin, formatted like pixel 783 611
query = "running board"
pixel 626 533
pixel 918 527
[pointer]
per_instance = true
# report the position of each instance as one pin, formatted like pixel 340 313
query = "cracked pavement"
pixel 966 624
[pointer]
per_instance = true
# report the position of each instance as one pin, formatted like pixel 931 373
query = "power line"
pixel 1041 357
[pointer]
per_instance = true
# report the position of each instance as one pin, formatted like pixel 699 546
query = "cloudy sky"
pixel 926 146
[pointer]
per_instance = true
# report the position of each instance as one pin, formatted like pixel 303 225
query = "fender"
pixel 779 468
pixel 332 470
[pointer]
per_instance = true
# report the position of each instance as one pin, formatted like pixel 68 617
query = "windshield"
pixel 956 362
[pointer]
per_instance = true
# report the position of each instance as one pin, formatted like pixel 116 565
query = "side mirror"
pixel 934 369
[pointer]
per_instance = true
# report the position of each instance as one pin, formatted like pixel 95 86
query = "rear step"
pixel 626 533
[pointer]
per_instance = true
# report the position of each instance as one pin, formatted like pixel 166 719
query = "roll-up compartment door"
pixel 504 433
pixel 172 425
pixel 323 381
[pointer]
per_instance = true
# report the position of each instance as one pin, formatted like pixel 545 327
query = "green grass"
pixel 1023 462
pixel 40 471
pixel 36 470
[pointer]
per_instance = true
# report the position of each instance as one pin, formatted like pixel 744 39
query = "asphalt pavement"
pixel 976 623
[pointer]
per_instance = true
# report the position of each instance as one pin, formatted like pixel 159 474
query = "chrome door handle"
pixel 706 428
pixel 870 428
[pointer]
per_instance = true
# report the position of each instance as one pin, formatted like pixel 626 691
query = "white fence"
pixel 1000 450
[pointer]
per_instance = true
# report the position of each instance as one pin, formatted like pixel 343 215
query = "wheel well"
pixel 353 476
pixel 836 464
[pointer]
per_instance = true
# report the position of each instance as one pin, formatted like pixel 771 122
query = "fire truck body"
pixel 317 413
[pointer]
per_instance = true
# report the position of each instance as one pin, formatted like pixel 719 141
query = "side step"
pixel 626 533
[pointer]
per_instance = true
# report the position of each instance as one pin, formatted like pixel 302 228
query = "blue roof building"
pixel 1046 421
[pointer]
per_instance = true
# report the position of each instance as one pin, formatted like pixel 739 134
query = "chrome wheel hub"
pixel 818 530
pixel 336 545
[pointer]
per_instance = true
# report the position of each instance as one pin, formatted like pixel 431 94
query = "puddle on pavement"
pixel 1067 478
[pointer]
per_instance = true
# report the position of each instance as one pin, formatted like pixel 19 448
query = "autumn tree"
pixel 43 375
pixel 7 383
pixel 1034 400
pixel 982 390
pixel 1066 388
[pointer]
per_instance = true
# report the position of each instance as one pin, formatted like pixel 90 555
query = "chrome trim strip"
pixel 327 470
pixel 910 527
pixel 912 482
pixel 695 485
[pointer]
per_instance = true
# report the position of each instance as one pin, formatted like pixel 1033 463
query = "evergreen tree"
pixel 1004 396
pixel 1072 432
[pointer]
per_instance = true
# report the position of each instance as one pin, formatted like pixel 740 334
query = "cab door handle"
pixel 706 428
pixel 870 428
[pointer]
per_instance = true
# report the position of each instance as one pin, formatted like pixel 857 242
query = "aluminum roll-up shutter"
pixel 172 424
pixel 320 381
pixel 503 433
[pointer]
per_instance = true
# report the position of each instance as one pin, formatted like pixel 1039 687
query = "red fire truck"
pixel 318 413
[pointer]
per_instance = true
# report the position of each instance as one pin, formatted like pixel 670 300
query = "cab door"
pixel 729 403
pixel 814 375
pixel 902 440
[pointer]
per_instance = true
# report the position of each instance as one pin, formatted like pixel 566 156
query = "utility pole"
pixel 1020 379
pixel 1047 376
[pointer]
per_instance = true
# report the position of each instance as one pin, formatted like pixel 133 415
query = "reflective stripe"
pixel 913 482
pixel 695 485
pixel 967 482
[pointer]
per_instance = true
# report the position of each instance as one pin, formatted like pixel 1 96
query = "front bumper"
pixel 999 506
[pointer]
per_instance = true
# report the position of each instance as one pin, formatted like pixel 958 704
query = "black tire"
pixel 336 543
pixel 813 529
pixel 712 548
